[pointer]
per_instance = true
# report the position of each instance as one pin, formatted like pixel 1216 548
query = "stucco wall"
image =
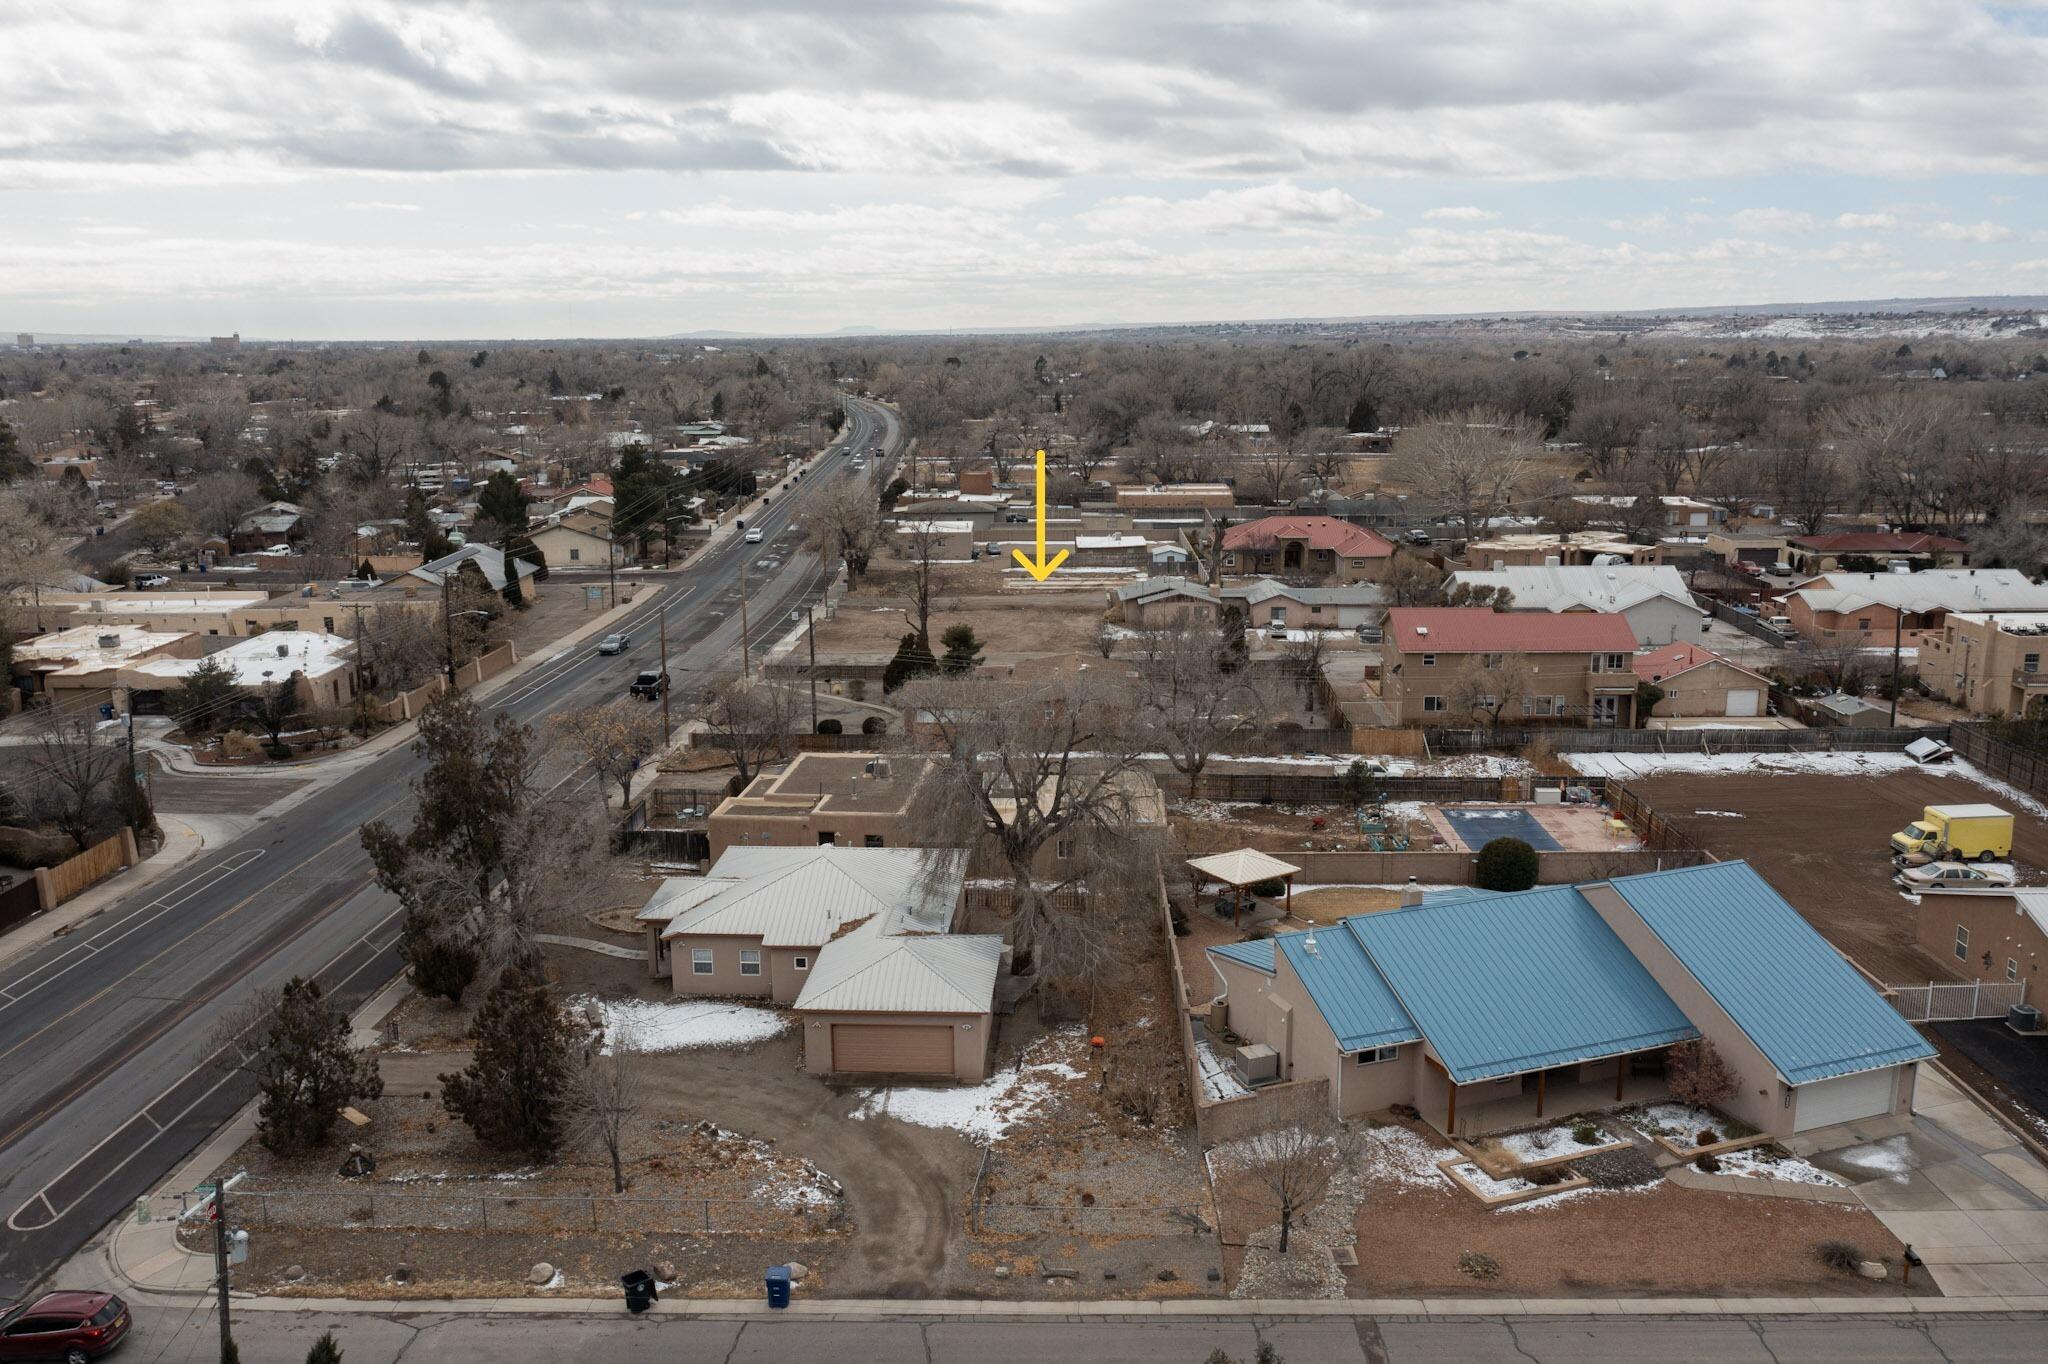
pixel 1996 925
pixel 725 978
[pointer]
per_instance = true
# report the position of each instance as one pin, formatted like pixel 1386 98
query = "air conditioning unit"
pixel 1256 1062
pixel 2024 1018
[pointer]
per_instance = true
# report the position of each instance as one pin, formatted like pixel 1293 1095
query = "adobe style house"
pixel 1699 683
pixel 1580 547
pixel 858 941
pixel 1160 603
pixel 1988 663
pixel 1488 1011
pixel 855 800
pixel 1875 608
pixel 1319 547
pixel 1652 598
pixel 1569 669
pixel 1996 939
pixel 1826 553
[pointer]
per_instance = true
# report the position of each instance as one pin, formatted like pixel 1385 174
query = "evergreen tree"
pixel 502 500
pixel 913 659
pixel 13 463
pixel 439 964
pixel 308 1071
pixel 514 1093
pixel 1365 415
pixel 324 1350
pixel 963 650
pixel 203 701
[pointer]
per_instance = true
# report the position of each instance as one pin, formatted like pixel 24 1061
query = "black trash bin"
pixel 640 1290
pixel 777 1279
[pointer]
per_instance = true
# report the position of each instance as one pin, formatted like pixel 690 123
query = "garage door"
pixel 1746 702
pixel 898 1048
pixel 1826 1102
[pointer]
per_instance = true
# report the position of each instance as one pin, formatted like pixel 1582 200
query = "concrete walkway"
pixel 1953 1183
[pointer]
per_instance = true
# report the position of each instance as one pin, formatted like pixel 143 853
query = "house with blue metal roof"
pixel 1489 1011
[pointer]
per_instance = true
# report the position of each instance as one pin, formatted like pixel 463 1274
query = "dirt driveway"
pixel 1823 841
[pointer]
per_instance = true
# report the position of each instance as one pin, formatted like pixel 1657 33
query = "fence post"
pixel 707 1217
pixel 484 1204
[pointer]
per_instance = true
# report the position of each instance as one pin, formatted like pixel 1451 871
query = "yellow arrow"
pixel 1039 568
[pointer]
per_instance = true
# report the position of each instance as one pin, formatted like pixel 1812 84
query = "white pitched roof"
pixel 873 971
pixel 1936 589
pixel 1246 866
pixel 803 897
pixel 1605 587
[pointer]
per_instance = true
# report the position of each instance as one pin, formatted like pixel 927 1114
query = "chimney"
pixel 284 651
pixel 110 641
pixel 1411 894
pixel 1552 561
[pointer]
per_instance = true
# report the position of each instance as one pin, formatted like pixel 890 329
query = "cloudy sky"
pixel 441 168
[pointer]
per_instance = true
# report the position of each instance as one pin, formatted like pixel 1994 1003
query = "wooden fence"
pixel 1449 868
pixel 2022 767
pixel 20 902
pixel 1571 739
pixel 406 705
pixel 1655 831
pixel 81 873
pixel 1311 788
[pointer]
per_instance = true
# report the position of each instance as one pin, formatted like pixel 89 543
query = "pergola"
pixel 1246 867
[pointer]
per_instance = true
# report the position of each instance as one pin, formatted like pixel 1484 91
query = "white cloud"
pixel 1866 221
pixel 1463 213
pixel 1969 232
pixel 1647 222
pixel 1775 220
pixel 1277 207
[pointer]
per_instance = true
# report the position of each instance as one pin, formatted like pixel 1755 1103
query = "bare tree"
pixel 1697 1074
pixel 377 444
pixel 1043 780
pixel 751 718
pixel 1491 683
pixel 218 501
pixel 1298 1164
pixel 1193 696
pixel 75 764
pixel 1470 462
pixel 844 524
pixel 2011 540
pixel 1412 580
pixel 606 1098
pixel 918 544
pixel 614 739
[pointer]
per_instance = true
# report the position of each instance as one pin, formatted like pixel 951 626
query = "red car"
pixel 73 1327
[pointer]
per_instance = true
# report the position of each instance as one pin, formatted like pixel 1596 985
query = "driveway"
pixel 904 1184
pixel 1951 1183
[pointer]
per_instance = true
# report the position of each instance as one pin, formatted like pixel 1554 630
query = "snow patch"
pixel 1791 1169
pixel 1834 764
pixel 654 1026
pixel 983 1112
pixel 1550 1143
pixel 1219 1081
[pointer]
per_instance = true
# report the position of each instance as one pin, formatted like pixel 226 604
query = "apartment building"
pixel 1569 669
pixel 1877 608
pixel 1988 663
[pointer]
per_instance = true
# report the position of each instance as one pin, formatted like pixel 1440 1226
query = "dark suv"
pixel 73 1327
pixel 650 685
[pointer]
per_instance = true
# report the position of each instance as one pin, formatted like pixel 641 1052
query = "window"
pixel 1315 610
pixel 1063 849
pixel 1617 663
pixel 1538 705
pixel 1373 1056
pixel 1962 942
pixel 2031 663
pixel 1489 660
pixel 750 961
pixel 575 554
pixel 1432 705
pixel 1429 660
pixel 1229 560
pixel 826 838
pixel 2012 968
pixel 1488 702
pixel 1863 622
pixel 801 963
pixel 327 624
pixel 871 841
pixel 700 961
pixel 1277 616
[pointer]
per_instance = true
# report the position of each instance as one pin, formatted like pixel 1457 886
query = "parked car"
pixel 1951 876
pixel 71 1326
pixel 615 643
pixel 144 582
pixel 1419 536
pixel 650 685
pixel 753 537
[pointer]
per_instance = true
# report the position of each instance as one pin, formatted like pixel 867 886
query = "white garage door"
pixel 1826 1102
pixel 1746 702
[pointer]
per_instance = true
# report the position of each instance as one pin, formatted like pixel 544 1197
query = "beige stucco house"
pixel 855 800
pixel 1697 682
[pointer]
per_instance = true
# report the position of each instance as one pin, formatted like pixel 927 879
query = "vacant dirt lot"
pixel 1822 841
pixel 869 623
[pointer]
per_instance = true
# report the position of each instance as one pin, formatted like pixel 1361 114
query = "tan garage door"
pixel 899 1048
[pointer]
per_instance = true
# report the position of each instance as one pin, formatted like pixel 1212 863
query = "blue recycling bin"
pixel 777 1279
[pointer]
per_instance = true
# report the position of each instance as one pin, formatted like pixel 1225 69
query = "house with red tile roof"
pixel 1316 547
pixel 1697 682
pixel 1825 553
pixel 1460 666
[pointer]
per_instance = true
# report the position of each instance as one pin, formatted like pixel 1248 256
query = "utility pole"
pixel 362 691
pixel 1898 619
pixel 448 628
pixel 220 1261
pixel 811 628
pixel 611 566
pixel 661 616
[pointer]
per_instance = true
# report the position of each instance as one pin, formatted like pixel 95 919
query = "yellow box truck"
pixel 1956 833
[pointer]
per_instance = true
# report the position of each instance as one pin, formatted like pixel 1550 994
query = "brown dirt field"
pixel 1328 906
pixel 1204 827
pixel 872 623
pixel 1822 841
pixel 1668 1240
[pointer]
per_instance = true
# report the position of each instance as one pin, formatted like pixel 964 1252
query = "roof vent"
pixel 1422 629
pixel 110 641
pixel 284 651
pixel 1308 944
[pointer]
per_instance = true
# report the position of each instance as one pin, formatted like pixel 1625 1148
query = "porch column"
pixel 1541 1077
pixel 1620 1074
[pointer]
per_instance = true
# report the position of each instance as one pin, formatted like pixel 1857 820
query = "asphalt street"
pixel 105 1079
pixel 176 1336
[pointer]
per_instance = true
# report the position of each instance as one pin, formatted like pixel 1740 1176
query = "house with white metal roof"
pixel 1652 597
pixel 859 941
pixel 1490 1011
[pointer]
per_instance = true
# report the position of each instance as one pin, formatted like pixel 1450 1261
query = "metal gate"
pixel 1937 1003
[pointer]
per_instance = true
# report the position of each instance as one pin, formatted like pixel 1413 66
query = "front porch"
pixel 1476 1110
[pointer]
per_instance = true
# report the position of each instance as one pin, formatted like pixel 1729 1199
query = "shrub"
pixel 1708 1163
pixel 1706 1136
pixel 830 726
pixel 1543 1176
pixel 1506 864
pixel 1585 1134
pixel 1267 890
pixel 1479 1264
pixel 1838 1255
pixel 874 724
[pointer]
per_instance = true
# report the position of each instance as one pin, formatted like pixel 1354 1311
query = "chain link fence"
pixel 1100 1219
pixel 363 1207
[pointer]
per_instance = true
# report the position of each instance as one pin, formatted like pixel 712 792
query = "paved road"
pixel 103 1081
pixel 174 1336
